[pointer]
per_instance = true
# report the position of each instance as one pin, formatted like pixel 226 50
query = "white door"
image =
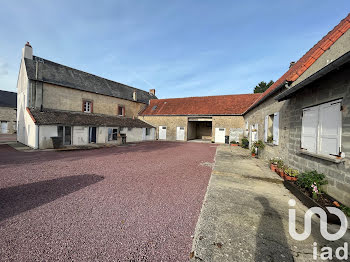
pixel 220 135
pixel 3 127
pixel 180 133
pixel 162 132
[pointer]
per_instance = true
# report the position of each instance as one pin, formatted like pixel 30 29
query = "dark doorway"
pixel 199 130
pixel 92 134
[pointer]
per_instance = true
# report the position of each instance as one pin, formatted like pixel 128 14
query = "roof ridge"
pixel 172 98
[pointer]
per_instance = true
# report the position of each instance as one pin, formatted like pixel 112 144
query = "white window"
pixel 148 131
pixel 321 129
pixel 87 106
pixel 271 134
pixel 112 134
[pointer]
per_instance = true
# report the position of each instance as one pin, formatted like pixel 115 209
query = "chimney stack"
pixel 291 64
pixel 27 51
pixel 152 92
pixel 134 96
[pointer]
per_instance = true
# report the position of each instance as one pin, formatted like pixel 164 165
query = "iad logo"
pixel 326 252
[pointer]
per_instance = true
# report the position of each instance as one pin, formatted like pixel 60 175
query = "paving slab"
pixel 244 216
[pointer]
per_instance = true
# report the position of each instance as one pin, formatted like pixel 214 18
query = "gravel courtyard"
pixel 133 203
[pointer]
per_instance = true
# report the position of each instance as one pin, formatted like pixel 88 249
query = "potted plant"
pixel 253 152
pixel 273 164
pixel 280 168
pixel 245 143
pixel 270 139
pixel 259 145
pixel 291 174
pixel 234 143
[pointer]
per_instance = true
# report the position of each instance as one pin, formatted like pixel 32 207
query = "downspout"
pixel 37 135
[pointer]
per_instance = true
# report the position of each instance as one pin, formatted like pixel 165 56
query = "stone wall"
pixel 333 86
pixel 62 98
pixel 9 115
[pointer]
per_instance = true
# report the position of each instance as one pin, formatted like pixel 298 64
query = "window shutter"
pixel 266 127
pixel 309 130
pixel 330 128
pixel 276 128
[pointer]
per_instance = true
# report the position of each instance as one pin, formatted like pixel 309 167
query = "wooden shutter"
pixel 309 130
pixel 276 128
pixel 330 128
pixel 266 127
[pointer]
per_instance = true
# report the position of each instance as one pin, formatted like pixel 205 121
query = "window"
pixel 65 132
pixel 121 111
pixel 148 131
pixel 112 134
pixel 271 134
pixel 87 106
pixel 321 129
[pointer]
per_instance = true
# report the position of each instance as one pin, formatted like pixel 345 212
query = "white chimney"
pixel 152 92
pixel 27 51
pixel 134 96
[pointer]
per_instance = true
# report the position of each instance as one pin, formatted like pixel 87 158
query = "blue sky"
pixel 180 48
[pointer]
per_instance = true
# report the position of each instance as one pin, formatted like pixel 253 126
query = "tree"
pixel 262 86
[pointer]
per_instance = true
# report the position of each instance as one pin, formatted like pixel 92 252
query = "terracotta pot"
pixel 290 178
pixel 234 144
pixel 273 167
pixel 253 155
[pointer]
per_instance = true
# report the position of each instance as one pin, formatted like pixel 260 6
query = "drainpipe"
pixel 37 136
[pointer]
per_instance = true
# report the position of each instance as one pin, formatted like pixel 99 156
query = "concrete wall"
pixel 9 115
pixel 171 122
pixel 334 86
pixel 62 98
pixel 45 134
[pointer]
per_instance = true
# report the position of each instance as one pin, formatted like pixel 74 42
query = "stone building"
pixel 207 118
pixel 8 107
pixel 278 122
pixel 58 101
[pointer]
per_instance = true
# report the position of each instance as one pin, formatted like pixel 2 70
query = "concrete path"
pixel 244 216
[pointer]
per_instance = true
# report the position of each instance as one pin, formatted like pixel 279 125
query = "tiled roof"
pixel 56 117
pixel 8 99
pixel 207 105
pixel 57 74
pixel 309 58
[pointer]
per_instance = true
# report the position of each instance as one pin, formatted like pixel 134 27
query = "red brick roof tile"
pixel 207 105
pixel 309 58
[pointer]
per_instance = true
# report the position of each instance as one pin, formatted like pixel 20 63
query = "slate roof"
pixel 307 59
pixel 57 74
pixel 206 105
pixel 8 99
pixel 57 117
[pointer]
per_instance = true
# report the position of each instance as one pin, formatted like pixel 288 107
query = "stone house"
pixel 8 107
pixel 58 101
pixel 306 128
pixel 209 118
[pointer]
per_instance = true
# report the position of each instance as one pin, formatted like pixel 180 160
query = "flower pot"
pixel 234 144
pixel 290 178
pixel 273 167
pixel 309 202
pixel 253 155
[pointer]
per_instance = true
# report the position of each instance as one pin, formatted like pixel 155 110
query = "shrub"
pixel 280 163
pixel 245 143
pixel 253 150
pixel 308 179
pixel 270 139
pixel 291 172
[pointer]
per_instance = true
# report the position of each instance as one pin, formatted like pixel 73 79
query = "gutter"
pixel 319 74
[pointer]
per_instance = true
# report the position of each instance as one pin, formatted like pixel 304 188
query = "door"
pixel 220 135
pixel 180 133
pixel 3 127
pixel 65 132
pixel 162 132
pixel 92 134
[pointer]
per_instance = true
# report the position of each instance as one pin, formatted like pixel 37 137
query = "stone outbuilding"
pixel 8 107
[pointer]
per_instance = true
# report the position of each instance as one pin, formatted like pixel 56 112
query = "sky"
pixel 180 48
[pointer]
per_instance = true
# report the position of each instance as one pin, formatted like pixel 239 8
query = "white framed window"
pixel 271 134
pixel 87 106
pixel 322 128
pixel 121 110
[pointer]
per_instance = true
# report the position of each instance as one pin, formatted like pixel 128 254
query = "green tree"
pixel 262 86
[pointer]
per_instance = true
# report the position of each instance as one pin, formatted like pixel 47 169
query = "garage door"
pixel 3 127
pixel 220 135
pixel 162 132
pixel 180 133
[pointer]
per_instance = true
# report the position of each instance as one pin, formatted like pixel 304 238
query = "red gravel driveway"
pixel 134 203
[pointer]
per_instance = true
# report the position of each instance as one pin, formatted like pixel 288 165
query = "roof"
pixel 335 65
pixel 57 74
pixel 8 99
pixel 57 117
pixel 307 59
pixel 206 105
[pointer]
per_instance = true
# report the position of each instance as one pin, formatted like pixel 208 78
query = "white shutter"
pixel 276 128
pixel 309 131
pixel 330 128
pixel 266 127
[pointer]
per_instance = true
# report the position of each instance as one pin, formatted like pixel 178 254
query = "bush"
pixel 245 143
pixel 291 172
pixel 259 144
pixel 307 179
pixel 233 142
pixel 270 139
